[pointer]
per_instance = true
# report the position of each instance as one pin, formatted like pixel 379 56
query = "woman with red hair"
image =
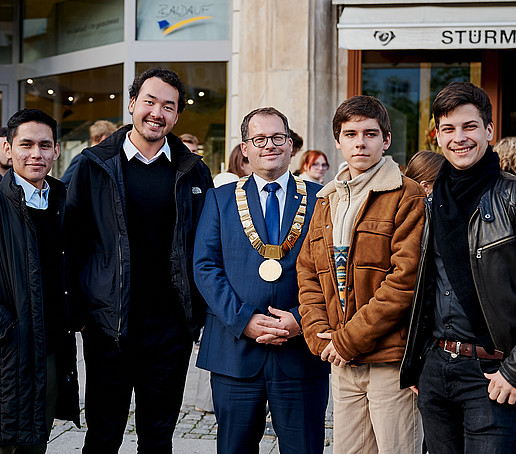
pixel 314 165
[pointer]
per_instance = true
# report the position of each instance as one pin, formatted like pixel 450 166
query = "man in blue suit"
pixel 245 267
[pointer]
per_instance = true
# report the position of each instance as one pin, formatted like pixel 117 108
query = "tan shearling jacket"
pixel 381 272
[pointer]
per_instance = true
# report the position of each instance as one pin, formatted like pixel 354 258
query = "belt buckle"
pixel 455 353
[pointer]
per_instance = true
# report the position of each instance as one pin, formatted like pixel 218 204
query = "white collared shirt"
pixel 281 192
pixel 34 198
pixel 132 152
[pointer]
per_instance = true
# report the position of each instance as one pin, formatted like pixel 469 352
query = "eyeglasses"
pixel 323 166
pixel 261 141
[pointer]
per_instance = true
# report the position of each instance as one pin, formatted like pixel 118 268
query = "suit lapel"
pixel 292 202
pixel 255 208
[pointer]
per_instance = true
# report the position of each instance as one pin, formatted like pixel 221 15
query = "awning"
pixel 427 27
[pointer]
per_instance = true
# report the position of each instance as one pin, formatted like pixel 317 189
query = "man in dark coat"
pixel 132 208
pixel 38 378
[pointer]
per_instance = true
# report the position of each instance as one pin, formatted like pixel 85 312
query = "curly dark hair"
pixel 167 76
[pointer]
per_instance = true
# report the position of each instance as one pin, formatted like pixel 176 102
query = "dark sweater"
pixel 150 214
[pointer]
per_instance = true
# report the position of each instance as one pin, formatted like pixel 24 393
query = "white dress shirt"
pixel 34 198
pixel 281 192
pixel 132 152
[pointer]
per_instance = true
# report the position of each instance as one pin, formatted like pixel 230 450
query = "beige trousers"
pixel 371 414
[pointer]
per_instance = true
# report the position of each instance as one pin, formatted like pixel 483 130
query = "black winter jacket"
pixel 99 243
pixel 22 329
pixel 492 249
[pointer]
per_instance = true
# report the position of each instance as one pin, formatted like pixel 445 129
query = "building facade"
pixel 76 58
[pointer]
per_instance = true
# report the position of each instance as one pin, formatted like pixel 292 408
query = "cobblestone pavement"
pixel 192 424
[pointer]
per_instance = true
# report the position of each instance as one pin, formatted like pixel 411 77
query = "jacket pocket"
pixel 320 251
pixel 373 244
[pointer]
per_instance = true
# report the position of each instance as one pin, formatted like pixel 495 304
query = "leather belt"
pixel 457 348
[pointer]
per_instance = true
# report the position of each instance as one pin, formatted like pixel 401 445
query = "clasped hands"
pixel 275 329
pixel 330 354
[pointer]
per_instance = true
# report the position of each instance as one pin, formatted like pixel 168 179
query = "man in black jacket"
pixel 38 378
pixel 132 210
pixel 461 347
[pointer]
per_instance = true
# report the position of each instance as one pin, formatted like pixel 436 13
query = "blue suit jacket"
pixel 226 273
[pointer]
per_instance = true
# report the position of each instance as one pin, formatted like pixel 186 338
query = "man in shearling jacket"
pixel 356 274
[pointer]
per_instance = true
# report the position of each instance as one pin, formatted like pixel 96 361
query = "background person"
pixel 191 141
pixel 37 346
pixel 99 131
pixel 423 168
pixel 313 166
pixel 238 167
pixel 506 149
pixel 5 162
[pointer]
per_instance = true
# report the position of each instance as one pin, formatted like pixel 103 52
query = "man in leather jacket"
pixel 461 346
pixel 133 206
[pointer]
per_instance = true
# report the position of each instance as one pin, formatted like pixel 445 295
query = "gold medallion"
pixel 270 270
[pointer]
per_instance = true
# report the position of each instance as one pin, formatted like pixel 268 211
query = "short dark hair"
pixel 3 131
pixel 167 76
pixel 361 107
pixel 264 111
pixel 26 116
pixel 459 93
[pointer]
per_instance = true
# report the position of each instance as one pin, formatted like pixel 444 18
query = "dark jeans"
pixel 153 363
pixel 458 416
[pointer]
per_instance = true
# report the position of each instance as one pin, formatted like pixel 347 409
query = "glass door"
pixel 408 89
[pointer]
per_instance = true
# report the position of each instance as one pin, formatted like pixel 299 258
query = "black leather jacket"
pixel 99 243
pixel 492 247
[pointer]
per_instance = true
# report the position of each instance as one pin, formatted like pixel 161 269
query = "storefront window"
pixel 192 20
pixel 54 27
pixel 76 100
pixel 6 31
pixel 407 85
pixel 205 112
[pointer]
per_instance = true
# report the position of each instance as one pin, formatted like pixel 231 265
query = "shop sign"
pixel 428 38
pixel 189 20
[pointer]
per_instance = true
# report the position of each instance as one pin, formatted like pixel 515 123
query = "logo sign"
pixel 384 37
pixel 183 20
pixel 479 37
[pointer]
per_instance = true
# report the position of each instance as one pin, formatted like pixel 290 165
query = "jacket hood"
pixel 387 178
pixel 110 147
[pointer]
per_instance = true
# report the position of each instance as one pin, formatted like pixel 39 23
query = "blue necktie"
pixel 272 220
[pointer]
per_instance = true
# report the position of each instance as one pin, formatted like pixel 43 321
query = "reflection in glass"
pixel 54 27
pixel 76 100
pixel 408 91
pixel 205 112
pixel 6 31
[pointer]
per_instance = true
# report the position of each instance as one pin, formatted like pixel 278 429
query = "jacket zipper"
pixel 118 334
pixel 478 256
pixel 496 243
